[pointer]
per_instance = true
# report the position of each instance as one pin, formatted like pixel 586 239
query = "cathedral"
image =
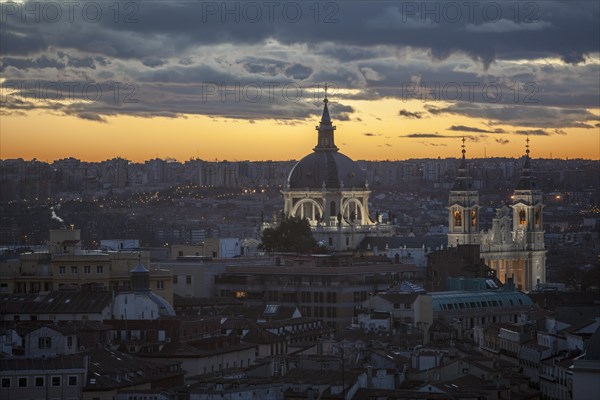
pixel 514 246
pixel 332 193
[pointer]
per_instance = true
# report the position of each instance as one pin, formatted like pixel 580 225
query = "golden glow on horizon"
pixel 49 136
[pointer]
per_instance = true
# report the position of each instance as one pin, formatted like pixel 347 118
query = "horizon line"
pixel 172 159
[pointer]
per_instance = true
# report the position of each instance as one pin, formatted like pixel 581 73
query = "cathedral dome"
pixel 329 169
pixel 326 167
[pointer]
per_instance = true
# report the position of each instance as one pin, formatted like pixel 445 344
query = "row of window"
pixel 188 279
pixel 319 312
pixel 86 269
pixel 40 381
pixel 477 304
pixel 318 297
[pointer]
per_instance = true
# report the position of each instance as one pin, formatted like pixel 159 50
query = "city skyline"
pixel 244 81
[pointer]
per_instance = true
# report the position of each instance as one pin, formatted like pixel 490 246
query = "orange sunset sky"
pixel 48 136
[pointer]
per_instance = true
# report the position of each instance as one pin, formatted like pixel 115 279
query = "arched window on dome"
pixel 307 209
pixel 353 211
pixel 457 218
pixel 473 217
pixel 332 209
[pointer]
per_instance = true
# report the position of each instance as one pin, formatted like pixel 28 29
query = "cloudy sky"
pixel 244 80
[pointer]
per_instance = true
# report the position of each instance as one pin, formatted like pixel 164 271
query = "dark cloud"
pixel 298 71
pixel 533 132
pixel 436 135
pixel 433 144
pixel 373 48
pixel 520 116
pixel 92 117
pixel 502 141
pixel 25 64
pixel 557 29
pixel 371 134
pixel 463 128
pixel 84 62
pixel 410 114
pixel 423 135
pixel 153 62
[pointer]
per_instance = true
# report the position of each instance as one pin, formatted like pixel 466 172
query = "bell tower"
pixel 528 226
pixel 463 208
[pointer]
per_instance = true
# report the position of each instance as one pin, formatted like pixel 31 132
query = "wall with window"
pixel 41 382
pixel 47 342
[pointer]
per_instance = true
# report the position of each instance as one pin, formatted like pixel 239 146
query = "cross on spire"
pixel 527 146
pixel 325 87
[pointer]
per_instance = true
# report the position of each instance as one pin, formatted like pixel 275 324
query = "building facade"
pixel 67 265
pixel 514 246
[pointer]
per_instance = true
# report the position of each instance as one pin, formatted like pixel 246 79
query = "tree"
pixel 291 235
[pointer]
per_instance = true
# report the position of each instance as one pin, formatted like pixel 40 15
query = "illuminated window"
pixel 457 218
pixel 522 218
pixel 474 218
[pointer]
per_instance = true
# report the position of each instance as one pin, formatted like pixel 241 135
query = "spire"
pixel 461 183
pixel 463 151
pixel 325 117
pixel 526 181
pixel 325 128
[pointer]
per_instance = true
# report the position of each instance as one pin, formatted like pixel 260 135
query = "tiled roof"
pixel 38 364
pixel 257 334
pixel 399 298
pixel 57 302
pixel 320 377
pixel 110 369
